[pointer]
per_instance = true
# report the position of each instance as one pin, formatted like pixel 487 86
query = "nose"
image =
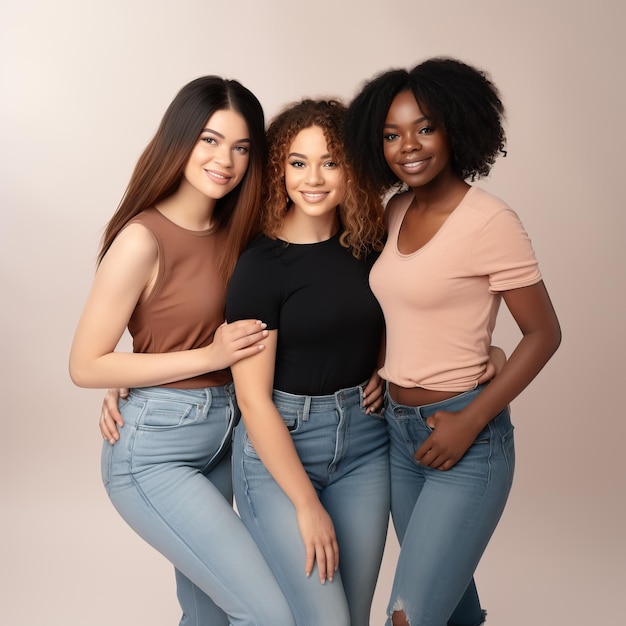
pixel 315 176
pixel 411 142
pixel 225 156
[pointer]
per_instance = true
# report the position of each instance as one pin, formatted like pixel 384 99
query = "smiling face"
pixel 415 149
pixel 313 180
pixel 219 160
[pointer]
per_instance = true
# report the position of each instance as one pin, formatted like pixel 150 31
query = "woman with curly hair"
pixel 453 253
pixel 310 457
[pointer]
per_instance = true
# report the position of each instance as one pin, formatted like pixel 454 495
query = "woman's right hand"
pixel 110 417
pixel 320 541
pixel 235 341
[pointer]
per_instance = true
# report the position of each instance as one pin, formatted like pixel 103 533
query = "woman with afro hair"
pixel 453 252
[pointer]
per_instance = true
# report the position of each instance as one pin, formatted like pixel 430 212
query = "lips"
pixel 313 197
pixel 414 167
pixel 217 177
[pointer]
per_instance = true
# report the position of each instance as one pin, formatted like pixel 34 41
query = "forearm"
pixel 526 361
pixel 274 446
pixel 124 369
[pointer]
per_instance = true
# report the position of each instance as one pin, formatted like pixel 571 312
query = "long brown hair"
pixel 360 213
pixel 160 168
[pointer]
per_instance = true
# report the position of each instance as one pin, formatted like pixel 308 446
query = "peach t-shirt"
pixel 441 302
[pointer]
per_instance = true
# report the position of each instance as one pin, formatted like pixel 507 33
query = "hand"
pixel 320 542
pixel 373 394
pixel 235 341
pixel 497 360
pixel 453 435
pixel 110 417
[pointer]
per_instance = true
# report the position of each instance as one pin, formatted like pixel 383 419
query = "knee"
pixel 398 618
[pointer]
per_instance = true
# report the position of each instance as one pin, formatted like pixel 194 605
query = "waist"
pixel 193 395
pixel 418 396
pixel 343 397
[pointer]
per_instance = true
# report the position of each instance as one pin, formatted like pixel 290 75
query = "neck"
pixel 441 193
pixel 299 228
pixel 188 208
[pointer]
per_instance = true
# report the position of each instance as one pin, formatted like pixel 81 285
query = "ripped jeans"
pixel 444 519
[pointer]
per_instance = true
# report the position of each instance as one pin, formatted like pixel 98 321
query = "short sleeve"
pixel 503 252
pixel 250 295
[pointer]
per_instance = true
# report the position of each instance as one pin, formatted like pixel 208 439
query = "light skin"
pixel 128 271
pixel 418 153
pixel 315 184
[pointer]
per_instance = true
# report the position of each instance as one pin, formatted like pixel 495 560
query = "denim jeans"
pixel 444 519
pixel 345 454
pixel 169 477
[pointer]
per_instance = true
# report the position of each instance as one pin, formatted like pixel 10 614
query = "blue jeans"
pixel 345 454
pixel 169 477
pixel 444 519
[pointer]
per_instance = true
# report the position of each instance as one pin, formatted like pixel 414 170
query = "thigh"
pixel 452 521
pixel 358 503
pixel 160 482
pixel 198 608
pixel 406 476
pixel 271 518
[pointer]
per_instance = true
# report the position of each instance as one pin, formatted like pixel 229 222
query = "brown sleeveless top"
pixel 186 304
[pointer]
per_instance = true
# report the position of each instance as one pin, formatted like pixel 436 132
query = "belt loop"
pixel 209 400
pixel 306 408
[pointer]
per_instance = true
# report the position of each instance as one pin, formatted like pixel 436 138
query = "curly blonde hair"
pixel 360 213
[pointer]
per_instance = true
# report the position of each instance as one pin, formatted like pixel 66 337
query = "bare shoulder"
pixel 135 242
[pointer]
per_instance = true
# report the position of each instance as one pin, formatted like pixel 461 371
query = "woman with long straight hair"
pixel 167 253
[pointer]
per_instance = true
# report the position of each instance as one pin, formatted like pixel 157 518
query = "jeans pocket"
pixel 248 448
pixel 165 414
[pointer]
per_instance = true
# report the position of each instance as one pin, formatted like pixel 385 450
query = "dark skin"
pixel 410 137
pixel 454 433
pixel 418 153
pixel 530 307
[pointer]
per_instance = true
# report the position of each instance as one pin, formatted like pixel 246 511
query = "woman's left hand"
pixel 452 436
pixel 373 394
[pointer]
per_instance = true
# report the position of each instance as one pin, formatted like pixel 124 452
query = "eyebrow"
pixel 424 118
pixel 214 132
pixel 304 156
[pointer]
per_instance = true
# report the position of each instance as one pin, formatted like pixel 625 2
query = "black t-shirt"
pixel 318 298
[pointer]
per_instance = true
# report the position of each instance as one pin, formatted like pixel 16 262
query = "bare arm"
pixel 122 279
pixel 541 335
pixel 254 378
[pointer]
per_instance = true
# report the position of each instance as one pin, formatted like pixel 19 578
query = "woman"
pixel 310 457
pixel 167 253
pixel 453 252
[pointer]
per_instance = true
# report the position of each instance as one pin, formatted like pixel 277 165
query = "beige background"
pixel 84 85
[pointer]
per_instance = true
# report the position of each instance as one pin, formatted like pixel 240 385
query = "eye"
pixel 390 136
pixel 426 130
pixel 209 140
pixel 331 164
pixel 242 149
pixel 297 164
